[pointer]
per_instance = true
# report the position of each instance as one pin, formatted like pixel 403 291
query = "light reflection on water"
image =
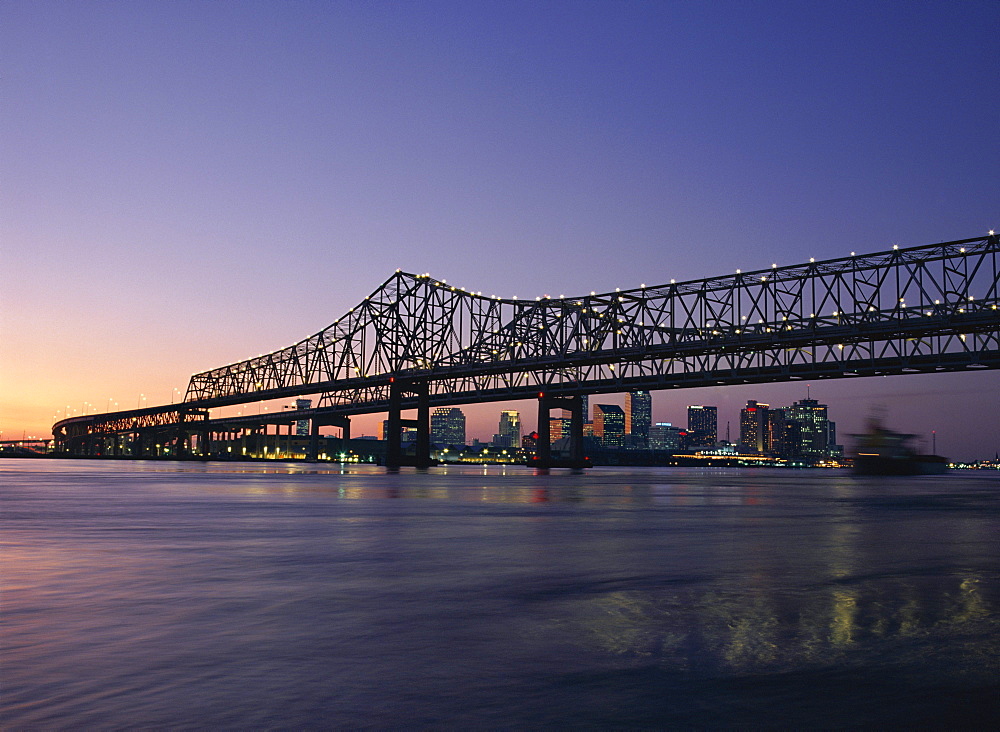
pixel 190 595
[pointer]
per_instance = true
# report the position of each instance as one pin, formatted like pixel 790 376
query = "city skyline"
pixel 189 185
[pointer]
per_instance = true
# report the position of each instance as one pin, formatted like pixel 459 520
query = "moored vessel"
pixel 882 451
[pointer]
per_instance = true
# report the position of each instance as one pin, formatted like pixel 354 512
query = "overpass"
pixel 417 342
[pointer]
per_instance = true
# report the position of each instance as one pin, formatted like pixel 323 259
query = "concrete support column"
pixel 574 405
pixel 313 453
pixel 543 449
pixel 422 459
pixel 394 448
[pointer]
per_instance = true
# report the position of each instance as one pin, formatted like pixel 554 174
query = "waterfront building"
pixel 448 426
pixel 638 415
pixel 753 429
pixel 664 436
pixel 302 425
pixel 407 434
pixel 703 425
pixel 529 443
pixel 782 434
pixel 509 431
pixel 559 427
pixel 817 434
pixel 609 425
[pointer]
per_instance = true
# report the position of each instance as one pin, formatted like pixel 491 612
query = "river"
pixel 293 596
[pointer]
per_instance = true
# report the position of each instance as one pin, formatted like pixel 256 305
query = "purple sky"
pixel 186 184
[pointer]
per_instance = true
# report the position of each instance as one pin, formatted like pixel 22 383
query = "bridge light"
pixel 895 246
pixel 672 281
pixel 991 232
pixel 962 250
pixel 852 254
pixel 737 271
pixel 774 265
pixel 937 302
pixel 812 259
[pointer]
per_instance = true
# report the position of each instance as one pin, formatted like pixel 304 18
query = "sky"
pixel 188 184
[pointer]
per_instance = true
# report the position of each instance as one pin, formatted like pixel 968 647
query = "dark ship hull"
pixel 909 465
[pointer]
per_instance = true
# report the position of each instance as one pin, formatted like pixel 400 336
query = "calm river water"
pixel 253 596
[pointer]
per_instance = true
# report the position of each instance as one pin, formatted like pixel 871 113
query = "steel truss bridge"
pixel 418 342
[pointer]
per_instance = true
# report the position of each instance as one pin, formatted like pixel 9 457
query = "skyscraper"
pixel 559 427
pixel 782 434
pixel 609 424
pixel 816 433
pixel 703 425
pixel 509 431
pixel 448 426
pixel 753 429
pixel 638 415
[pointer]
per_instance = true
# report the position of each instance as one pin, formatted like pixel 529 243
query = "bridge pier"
pixel 341 421
pixel 394 458
pixel 543 453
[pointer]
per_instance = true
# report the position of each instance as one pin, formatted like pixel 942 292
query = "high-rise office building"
pixel 753 429
pixel 638 416
pixel 302 425
pixel 664 436
pixel 703 425
pixel 448 426
pixel 781 433
pixel 609 424
pixel 407 434
pixel 509 431
pixel 817 435
pixel 559 427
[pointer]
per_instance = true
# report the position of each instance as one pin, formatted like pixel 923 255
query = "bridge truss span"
pixel 925 308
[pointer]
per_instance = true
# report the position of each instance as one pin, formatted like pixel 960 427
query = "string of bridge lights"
pixel 642 287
